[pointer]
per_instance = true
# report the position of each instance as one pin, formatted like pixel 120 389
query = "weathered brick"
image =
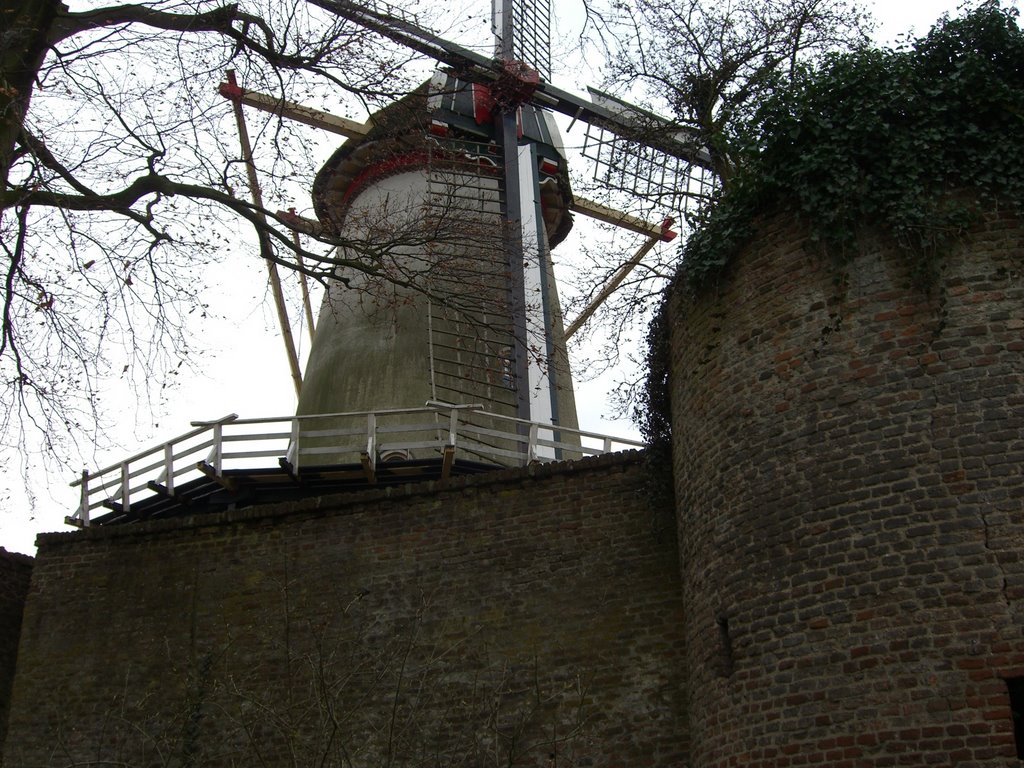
pixel 914 403
pixel 543 600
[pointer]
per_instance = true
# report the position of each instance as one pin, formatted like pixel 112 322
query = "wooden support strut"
pixel 227 483
pixel 307 115
pixel 257 199
pixel 616 281
pixel 303 280
pixel 663 232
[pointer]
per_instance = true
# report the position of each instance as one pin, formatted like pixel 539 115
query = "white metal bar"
pixel 385 447
pixel 146 453
pixel 453 427
pixel 371 437
pixel 249 437
pixel 249 454
pixel 490 450
pixel 531 450
pixel 145 469
pixel 333 449
pixel 475 429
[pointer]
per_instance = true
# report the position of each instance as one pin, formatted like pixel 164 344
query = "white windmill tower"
pixel 480 149
pixel 464 308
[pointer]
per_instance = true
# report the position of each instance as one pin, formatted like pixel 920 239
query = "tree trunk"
pixel 23 46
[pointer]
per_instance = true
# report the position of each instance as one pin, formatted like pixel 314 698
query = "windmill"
pixel 510 99
pixel 479 142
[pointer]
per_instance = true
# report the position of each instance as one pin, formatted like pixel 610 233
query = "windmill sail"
pixel 522 30
pixel 474 67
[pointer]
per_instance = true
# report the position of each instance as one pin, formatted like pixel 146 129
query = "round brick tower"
pixel 848 455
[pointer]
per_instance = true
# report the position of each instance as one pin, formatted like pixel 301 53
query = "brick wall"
pixel 505 619
pixel 15 572
pixel 848 461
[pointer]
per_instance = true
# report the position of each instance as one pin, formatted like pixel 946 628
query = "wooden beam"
pixel 609 289
pixel 289 469
pixel 297 112
pixel 297 223
pixel 369 470
pixel 161 490
pixel 275 279
pixel 622 219
pixel 447 461
pixel 224 482
pixel 303 282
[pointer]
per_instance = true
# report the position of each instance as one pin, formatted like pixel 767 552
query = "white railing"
pixel 438 430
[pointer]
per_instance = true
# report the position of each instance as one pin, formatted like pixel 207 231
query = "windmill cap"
pixel 445 120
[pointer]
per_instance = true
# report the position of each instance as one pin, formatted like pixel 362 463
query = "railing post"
pixel 126 502
pixel 83 509
pixel 607 445
pixel 531 451
pixel 294 450
pixel 169 467
pixel 453 426
pixel 371 436
pixel 218 433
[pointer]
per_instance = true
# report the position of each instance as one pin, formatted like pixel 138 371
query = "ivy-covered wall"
pixel 847 460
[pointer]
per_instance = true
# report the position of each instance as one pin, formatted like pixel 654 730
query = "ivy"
pixel 914 141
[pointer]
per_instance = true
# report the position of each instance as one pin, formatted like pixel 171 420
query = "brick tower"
pixel 847 455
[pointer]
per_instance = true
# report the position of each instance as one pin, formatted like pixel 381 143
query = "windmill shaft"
pixel 505 42
pixel 543 373
pixel 514 250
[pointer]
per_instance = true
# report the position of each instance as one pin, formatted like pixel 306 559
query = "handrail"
pixel 362 436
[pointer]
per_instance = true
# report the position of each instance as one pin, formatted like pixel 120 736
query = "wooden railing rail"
pixel 439 429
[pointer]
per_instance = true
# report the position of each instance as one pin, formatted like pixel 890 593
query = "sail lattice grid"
pixel 531 31
pixel 645 172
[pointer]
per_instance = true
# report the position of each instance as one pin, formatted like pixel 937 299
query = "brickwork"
pixel 501 620
pixel 848 463
pixel 15 573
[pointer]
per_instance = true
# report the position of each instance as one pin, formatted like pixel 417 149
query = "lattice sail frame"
pixel 641 171
pixel 530 32
pixel 631 162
